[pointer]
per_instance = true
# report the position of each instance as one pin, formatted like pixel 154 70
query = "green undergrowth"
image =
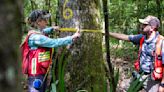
pixel 124 50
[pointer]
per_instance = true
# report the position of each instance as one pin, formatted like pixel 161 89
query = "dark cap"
pixel 151 20
pixel 36 14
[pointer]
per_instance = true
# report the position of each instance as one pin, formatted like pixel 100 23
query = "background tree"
pixel 10 35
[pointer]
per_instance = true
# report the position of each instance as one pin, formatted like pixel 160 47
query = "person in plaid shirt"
pixel 150 34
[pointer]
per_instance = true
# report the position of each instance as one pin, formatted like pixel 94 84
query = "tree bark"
pixel 10 35
pixel 158 2
pixel 159 11
pixel 85 69
pixel 111 69
pixel 48 7
pixel 33 5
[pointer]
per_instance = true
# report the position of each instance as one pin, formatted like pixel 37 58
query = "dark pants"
pixel 149 85
pixel 30 83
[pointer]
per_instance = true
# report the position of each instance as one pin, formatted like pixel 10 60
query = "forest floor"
pixel 125 71
pixel 122 58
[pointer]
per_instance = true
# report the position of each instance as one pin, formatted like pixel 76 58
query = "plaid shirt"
pixel 148 48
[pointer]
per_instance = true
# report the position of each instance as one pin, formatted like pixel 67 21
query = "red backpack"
pixel 25 51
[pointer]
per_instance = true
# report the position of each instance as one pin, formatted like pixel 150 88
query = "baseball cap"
pixel 36 14
pixel 151 20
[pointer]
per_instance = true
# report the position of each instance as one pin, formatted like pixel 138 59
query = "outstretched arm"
pixel 40 40
pixel 49 30
pixel 120 36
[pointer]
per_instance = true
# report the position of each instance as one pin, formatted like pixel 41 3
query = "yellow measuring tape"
pixel 81 30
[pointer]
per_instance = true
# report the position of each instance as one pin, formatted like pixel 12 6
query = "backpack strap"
pixel 28 35
pixel 140 47
pixel 137 62
pixel 157 73
pixel 159 45
pixel 158 50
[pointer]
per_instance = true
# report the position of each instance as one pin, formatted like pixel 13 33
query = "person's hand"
pixel 161 89
pixel 76 35
pixel 56 28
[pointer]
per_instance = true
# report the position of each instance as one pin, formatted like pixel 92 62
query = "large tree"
pixel 10 35
pixel 85 69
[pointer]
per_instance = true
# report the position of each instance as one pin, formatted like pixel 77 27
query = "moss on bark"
pixel 85 69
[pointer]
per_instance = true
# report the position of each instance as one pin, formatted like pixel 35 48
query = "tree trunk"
pixel 85 69
pixel 33 5
pixel 111 69
pixel 159 11
pixel 10 31
pixel 48 7
pixel 158 2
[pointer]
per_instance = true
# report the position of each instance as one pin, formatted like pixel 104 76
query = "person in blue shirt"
pixel 38 20
pixel 150 26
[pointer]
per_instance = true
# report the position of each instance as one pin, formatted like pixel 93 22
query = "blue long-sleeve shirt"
pixel 39 40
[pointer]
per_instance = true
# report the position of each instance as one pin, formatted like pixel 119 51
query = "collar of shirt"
pixel 153 39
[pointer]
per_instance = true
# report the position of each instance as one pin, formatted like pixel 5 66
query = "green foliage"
pixel 105 87
pixel 116 78
pixel 136 84
pixel 53 86
pixel 58 85
pixel 30 5
pixel 124 50
pixel 82 91
pixel 124 14
pixel 62 63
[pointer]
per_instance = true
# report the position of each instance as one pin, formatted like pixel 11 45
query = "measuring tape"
pixel 81 30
